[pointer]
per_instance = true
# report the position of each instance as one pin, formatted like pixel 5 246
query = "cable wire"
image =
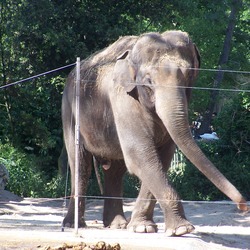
pixel 36 76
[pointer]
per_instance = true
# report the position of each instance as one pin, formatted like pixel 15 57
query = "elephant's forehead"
pixel 176 37
pixel 171 60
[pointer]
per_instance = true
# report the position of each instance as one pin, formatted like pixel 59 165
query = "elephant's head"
pixel 159 71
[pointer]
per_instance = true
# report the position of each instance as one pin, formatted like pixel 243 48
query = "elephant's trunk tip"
pixel 242 205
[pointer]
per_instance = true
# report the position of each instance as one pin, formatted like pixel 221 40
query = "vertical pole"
pixel 77 137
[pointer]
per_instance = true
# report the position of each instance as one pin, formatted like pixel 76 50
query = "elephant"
pixel 134 98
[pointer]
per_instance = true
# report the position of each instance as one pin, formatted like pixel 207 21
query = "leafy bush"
pixel 57 187
pixel 25 179
pixel 234 144
pixel 131 186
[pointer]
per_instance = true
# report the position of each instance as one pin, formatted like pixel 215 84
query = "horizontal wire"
pixel 191 87
pixel 36 76
pixel 215 70
pixel 127 199
pixel 166 200
pixel 206 69
pixel 179 87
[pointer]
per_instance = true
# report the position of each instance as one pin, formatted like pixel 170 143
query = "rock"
pixel 6 196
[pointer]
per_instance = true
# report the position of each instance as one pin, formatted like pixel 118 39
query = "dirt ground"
pixel 36 224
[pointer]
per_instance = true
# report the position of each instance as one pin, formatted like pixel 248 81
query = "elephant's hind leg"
pixel 84 174
pixel 113 215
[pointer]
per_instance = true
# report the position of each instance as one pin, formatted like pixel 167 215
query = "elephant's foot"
pixel 69 222
pixel 119 222
pixel 180 230
pixel 146 226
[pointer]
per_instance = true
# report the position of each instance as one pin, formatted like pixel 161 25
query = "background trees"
pixel 37 36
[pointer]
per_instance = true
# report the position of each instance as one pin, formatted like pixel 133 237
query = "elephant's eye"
pixel 148 80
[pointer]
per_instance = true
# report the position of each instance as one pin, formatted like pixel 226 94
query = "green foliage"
pixel 234 127
pixel 34 119
pixel 93 186
pixel 25 178
pixel 57 187
pixel 131 186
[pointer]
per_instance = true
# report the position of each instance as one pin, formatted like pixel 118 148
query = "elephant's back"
pixel 113 51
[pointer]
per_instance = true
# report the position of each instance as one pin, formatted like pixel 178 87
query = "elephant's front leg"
pixel 142 215
pixel 160 188
pixel 137 136
pixel 113 215
pixel 147 164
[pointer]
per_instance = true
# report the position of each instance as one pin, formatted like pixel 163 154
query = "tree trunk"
pixel 205 126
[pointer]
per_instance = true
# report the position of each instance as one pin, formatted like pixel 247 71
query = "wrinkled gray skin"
pixel 133 110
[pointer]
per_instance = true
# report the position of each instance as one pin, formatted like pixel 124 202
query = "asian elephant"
pixel 134 99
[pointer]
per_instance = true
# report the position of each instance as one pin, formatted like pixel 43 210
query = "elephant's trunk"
pixel 171 107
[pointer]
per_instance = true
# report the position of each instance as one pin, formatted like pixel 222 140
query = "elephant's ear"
pixel 197 57
pixel 124 72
